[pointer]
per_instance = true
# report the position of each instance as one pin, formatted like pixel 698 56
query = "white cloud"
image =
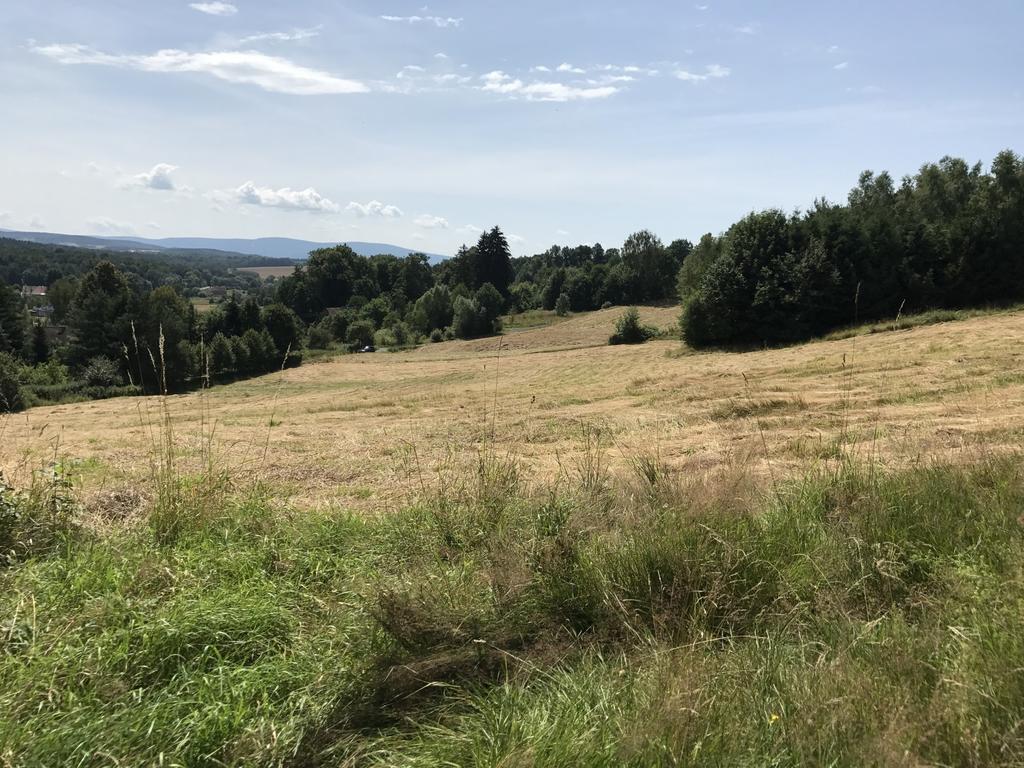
pixel 569 68
pixel 630 69
pixel 833 49
pixel 562 232
pixel 711 72
pixel 215 8
pixel 159 177
pixel 516 240
pixel 470 229
pixel 499 82
pixel 285 198
pixel 611 79
pixel 36 223
pixel 5 217
pixel 748 29
pixel 410 68
pixel 295 34
pixel 105 226
pixel 441 56
pixel 702 7
pixel 540 68
pixel 271 73
pixel 375 208
pixel 842 65
pixel 427 221
pixel 437 21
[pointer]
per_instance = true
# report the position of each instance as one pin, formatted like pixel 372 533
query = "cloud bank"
pixel 285 198
pixel 375 208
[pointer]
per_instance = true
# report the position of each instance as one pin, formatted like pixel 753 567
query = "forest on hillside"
pixel 948 237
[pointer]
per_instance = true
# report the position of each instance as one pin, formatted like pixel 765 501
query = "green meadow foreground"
pixel 558 554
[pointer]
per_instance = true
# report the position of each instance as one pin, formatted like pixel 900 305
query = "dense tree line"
pixel 393 301
pixel 39 264
pixel 643 270
pixel 119 338
pixel 949 236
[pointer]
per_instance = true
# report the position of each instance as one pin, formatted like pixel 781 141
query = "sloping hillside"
pixel 345 430
pixel 589 329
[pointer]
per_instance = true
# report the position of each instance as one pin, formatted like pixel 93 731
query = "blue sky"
pixel 563 122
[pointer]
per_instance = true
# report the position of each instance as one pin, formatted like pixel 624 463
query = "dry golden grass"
pixel 364 430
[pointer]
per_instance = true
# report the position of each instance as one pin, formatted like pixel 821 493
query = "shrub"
pixel 562 305
pixel 102 372
pixel 339 321
pixel 284 326
pixel 221 355
pixel 490 302
pixel 478 316
pixel 466 318
pixel 402 334
pixel 319 336
pixel 433 310
pixel 523 296
pixel 263 354
pixel 697 264
pixel 50 373
pixel 10 388
pixel 360 333
pixel 241 353
pixel 629 329
pixel 376 311
pixel 385 337
pixel 436 335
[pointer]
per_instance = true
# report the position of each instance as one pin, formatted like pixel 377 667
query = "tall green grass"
pixel 853 618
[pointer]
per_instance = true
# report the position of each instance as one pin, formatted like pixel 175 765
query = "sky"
pixel 562 121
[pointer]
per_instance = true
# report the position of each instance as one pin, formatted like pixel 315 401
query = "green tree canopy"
pixel 13 321
pixel 99 318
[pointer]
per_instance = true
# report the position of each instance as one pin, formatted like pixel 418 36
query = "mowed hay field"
pixel 264 272
pixel 367 431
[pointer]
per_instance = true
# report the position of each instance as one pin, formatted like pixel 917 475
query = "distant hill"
pixel 277 247
pixel 268 247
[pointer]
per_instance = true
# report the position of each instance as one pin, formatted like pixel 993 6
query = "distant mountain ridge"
pixel 268 247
